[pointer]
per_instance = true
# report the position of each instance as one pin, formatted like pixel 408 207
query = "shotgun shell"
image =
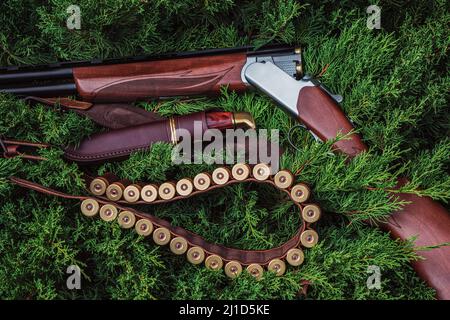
pixel 144 227
pixel 221 176
pixel 311 213
pixel 108 212
pixel 149 193
pixel 178 245
pixel 261 171
pixel 184 187
pixel 89 207
pixel 166 190
pixel 300 193
pixel 161 236
pixel 240 171
pixel 278 266
pixel 283 179
pixel 114 191
pixel 126 219
pixel 132 193
pixel 195 255
pixel 295 257
pixel 214 262
pixel 202 181
pixel 98 186
pixel 233 269
pixel 309 238
pixel 255 270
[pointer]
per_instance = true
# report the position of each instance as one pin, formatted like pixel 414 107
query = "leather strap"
pixel 23 149
pixel 112 115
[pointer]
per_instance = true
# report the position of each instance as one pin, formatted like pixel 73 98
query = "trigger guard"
pixel 304 127
pixel 309 131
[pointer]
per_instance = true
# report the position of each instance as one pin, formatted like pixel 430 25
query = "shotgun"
pixel 276 71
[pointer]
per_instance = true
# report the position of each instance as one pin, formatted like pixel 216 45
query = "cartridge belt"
pixel 182 241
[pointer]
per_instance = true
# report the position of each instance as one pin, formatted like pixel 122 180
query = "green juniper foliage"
pixel 395 85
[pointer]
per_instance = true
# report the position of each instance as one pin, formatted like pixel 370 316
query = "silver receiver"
pixel 281 87
pixel 277 84
pixel 291 63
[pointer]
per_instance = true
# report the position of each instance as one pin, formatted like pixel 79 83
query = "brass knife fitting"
pixel 243 120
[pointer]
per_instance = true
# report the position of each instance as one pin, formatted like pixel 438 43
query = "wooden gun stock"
pixel 430 222
pixel 423 217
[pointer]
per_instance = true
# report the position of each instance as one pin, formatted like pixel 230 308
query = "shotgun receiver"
pixel 278 72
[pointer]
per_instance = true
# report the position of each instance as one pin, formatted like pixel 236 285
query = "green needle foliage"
pixel 395 85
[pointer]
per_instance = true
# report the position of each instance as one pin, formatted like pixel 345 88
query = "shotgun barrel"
pixel 19 77
pixel 53 90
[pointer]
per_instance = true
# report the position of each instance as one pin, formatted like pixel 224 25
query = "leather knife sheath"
pixel 119 143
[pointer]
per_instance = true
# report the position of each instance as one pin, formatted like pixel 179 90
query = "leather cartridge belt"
pixel 112 200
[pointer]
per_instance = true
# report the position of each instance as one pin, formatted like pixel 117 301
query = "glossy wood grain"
pixel 152 79
pixel 323 116
pixel 219 120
